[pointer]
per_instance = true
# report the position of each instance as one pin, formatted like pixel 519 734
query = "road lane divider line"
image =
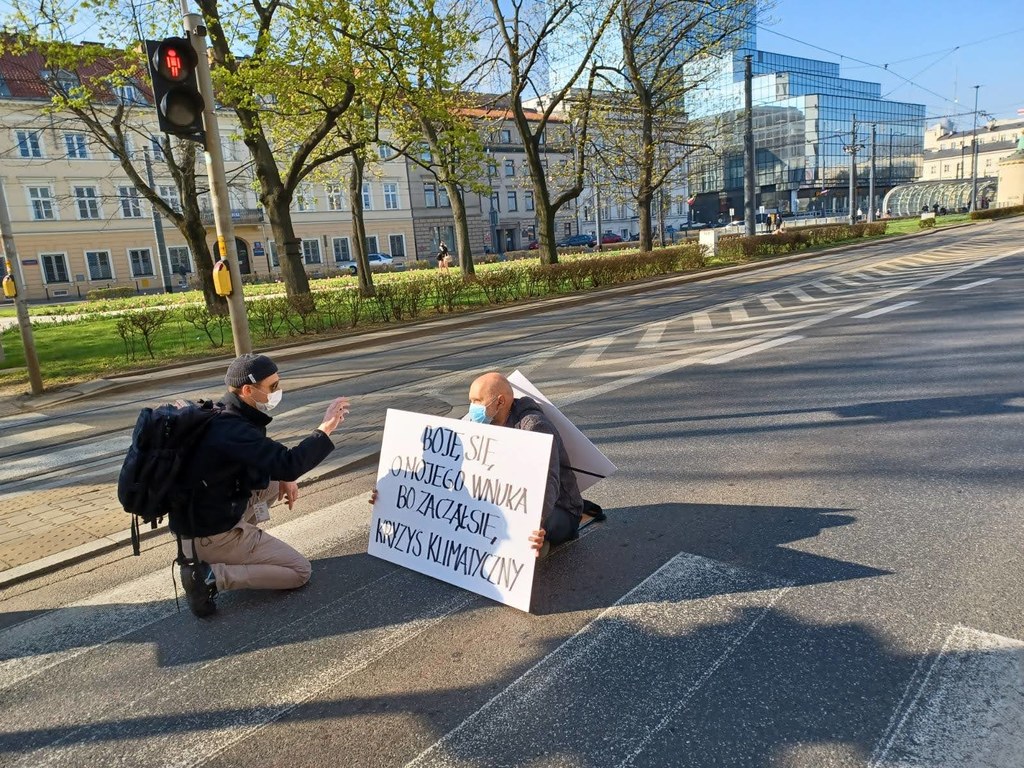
pixel 23 437
pixel 884 310
pixel 652 336
pixel 975 284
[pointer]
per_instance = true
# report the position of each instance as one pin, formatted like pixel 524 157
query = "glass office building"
pixel 803 113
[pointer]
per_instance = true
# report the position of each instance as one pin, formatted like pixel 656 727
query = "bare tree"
pixel 538 40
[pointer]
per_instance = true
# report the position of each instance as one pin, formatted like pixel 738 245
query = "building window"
pixel 180 259
pixel 76 146
pixel 28 144
pixel 311 251
pixel 99 265
pixel 510 167
pixel 335 197
pixel 528 200
pixel 513 203
pixel 274 260
pixel 141 261
pixel 55 267
pixel 505 136
pixel 391 196
pixel 367 197
pixel 127 94
pixel 495 201
pixel 442 198
pixel 397 243
pixel 385 152
pixel 304 200
pixel 156 146
pixel 371 244
pixel 341 249
pixel 131 207
pixel 42 203
pixel 88 202
pixel 430 195
pixel 169 194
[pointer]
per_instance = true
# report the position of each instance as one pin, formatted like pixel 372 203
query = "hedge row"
pixel 997 213
pixel 789 241
pixel 397 300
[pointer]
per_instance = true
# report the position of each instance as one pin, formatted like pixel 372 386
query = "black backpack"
pixel 152 483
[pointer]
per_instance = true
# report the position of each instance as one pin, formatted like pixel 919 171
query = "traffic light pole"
pixel 218 183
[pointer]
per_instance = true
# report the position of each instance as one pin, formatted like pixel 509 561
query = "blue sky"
pixel 945 48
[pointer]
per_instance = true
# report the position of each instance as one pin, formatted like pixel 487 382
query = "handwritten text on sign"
pixel 458 501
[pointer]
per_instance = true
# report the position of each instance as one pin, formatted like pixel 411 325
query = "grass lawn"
pixel 905 226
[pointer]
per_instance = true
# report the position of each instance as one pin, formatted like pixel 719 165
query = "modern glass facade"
pixel 803 114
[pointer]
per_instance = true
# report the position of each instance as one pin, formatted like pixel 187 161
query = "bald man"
pixel 491 401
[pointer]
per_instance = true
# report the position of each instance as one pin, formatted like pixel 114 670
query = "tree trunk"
pixel 191 227
pixel 463 247
pixel 355 194
pixel 546 243
pixel 643 210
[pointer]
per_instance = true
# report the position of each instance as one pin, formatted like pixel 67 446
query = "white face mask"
pixel 273 400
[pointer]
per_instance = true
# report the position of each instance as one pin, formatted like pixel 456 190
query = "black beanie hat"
pixel 249 368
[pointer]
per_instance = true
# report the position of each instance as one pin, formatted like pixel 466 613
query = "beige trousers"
pixel 246 557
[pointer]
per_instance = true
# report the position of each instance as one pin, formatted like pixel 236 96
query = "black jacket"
pixel 562 490
pixel 234 458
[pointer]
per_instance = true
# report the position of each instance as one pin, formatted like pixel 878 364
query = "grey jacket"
pixel 562 491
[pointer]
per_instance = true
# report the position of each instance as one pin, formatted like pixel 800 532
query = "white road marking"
pixel 802 295
pixel 60 635
pixel 35 465
pixel 652 335
pixel 975 284
pixel 702 321
pixel 964 708
pixel 20 420
pixel 847 282
pixel 738 313
pixel 884 310
pixel 644 642
pixel 670 366
pixel 593 353
pixel 771 304
pixel 825 287
pixel 728 357
pixel 43 433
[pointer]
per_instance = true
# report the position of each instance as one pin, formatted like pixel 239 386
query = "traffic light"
pixel 179 104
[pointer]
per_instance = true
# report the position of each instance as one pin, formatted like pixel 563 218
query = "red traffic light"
pixel 175 59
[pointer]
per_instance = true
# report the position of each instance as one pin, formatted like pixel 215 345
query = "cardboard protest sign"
pixel 589 464
pixel 458 500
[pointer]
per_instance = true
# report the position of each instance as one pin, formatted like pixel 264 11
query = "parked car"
pixel 577 240
pixel 610 237
pixel 374 260
pixel 533 246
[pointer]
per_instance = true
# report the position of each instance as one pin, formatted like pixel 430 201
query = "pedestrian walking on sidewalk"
pixel 236 473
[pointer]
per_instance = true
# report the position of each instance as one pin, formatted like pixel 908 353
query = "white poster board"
pixel 458 500
pixel 589 464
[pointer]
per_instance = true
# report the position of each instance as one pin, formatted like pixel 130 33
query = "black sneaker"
pixel 200 586
pixel 592 509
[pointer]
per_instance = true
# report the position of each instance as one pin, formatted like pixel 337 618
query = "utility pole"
pixel 974 154
pixel 597 206
pixel 158 229
pixel 871 178
pixel 851 149
pixel 35 376
pixel 749 191
pixel 218 183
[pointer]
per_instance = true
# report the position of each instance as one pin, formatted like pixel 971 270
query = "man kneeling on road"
pixel 238 472
pixel 491 401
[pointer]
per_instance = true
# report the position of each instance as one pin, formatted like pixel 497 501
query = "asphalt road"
pixel 812 554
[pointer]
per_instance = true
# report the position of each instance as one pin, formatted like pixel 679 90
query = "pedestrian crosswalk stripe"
pixel 21 438
pixel 963 706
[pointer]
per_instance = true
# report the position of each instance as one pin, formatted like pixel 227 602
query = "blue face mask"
pixel 478 413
